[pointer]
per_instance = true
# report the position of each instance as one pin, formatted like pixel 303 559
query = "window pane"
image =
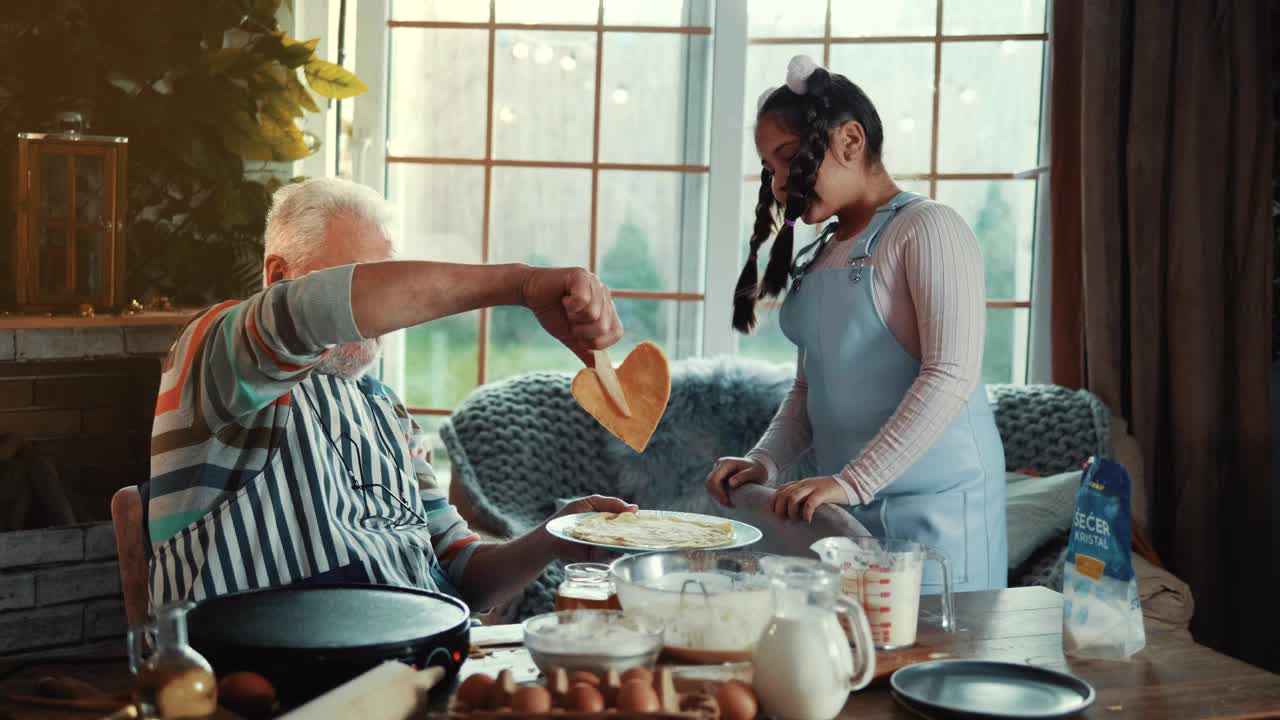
pixel 992 17
pixel 1002 215
pixel 1004 358
pixel 899 80
pixel 540 216
pixel 767 343
pixel 543 95
pixel 90 243
pixel 54 198
pixel 990 106
pixel 440 462
pixel 915 186
pixel 644 12
pixel 441 10
pixel 787 18
pixel 865 18
pixel 441 361
pixel 646 90
pixel 436 100
pixel 645 240
pixel 518 344
pixel 541 11
pixel 89 189
pixel 766 68
pixel 53 260
pixel 439 211
pixel 657 321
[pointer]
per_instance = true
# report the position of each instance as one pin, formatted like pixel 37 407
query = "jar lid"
pixel 587 572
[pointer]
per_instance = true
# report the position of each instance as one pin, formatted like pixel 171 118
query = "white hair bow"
pixel 798 72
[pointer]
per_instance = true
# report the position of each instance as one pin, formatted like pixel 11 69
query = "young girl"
pixel 887 310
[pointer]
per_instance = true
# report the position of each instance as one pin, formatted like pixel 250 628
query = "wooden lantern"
pixel 71 202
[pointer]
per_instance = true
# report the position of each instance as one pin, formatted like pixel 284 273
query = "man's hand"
pixel 733 472
pixel 802 498
pixel 576 552
pixel 574 307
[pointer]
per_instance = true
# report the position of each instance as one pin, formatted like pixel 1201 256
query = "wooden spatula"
pixel 609 379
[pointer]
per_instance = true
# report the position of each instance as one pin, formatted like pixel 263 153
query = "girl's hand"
pixel 802 498
pixel 732 472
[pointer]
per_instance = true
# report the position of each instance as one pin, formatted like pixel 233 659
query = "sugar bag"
pixel 1101 612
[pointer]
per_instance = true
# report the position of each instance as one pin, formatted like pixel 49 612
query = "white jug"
pixel 804 668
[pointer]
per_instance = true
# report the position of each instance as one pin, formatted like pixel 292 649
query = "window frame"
pixel 393 366
pixel 723 248
pixel 1035 356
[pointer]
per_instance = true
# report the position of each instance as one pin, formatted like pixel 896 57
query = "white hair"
pixel 300 215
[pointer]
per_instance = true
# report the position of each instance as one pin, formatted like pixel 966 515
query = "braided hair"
pixel 829 101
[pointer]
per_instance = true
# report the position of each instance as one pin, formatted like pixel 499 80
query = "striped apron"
pixel 333 503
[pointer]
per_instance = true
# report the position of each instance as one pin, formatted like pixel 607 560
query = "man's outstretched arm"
pixel 570 303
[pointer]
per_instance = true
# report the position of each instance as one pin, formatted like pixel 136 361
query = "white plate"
pixel 743 534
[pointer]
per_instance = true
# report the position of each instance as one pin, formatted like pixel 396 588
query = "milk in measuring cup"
pixel 891 599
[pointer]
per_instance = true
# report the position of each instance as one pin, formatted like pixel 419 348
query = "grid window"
pixel 958 85
pixel 550 133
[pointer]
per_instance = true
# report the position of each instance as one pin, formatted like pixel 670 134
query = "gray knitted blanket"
pixel 521 445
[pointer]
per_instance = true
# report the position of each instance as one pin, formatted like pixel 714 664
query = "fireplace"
pixel 76 400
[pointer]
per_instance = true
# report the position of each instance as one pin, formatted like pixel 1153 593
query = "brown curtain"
pixel 1161 209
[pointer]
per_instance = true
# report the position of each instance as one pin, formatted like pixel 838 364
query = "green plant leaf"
pixel 224 61
pixel 271 75
pixel 231 211
pixel 332 80
pixel 243 136
pixel 286 50
pixel 281 108
pixel 289 42
pixel 300 94
pixel 285 139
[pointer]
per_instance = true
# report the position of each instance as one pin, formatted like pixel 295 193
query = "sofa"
pixel 520 447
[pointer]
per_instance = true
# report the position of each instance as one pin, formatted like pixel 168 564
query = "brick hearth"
pixel 80 395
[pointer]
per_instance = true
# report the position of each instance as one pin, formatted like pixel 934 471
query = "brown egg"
pixel 737 701
pixel 247 693
pixel 638 696
pixel 578 676
pixel 502 690
pixel 638 673
pixel 474 691
pixel 531 699
pixel 584 697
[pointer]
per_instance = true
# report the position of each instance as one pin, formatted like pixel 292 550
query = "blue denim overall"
pixel 952 498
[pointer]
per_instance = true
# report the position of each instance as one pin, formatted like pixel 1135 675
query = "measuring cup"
pixel 884 574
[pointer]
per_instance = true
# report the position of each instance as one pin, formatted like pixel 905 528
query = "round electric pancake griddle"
pixel 308 640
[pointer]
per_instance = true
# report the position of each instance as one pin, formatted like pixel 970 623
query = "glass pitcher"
pixel 804 668
pixel 884 574
pixel 171 679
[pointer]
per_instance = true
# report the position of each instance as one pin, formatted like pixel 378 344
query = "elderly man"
pixel 276 459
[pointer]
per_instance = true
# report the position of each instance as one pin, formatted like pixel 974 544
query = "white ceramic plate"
pixel 743 534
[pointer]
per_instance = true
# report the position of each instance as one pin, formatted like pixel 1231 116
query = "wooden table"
pixel 1172 678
